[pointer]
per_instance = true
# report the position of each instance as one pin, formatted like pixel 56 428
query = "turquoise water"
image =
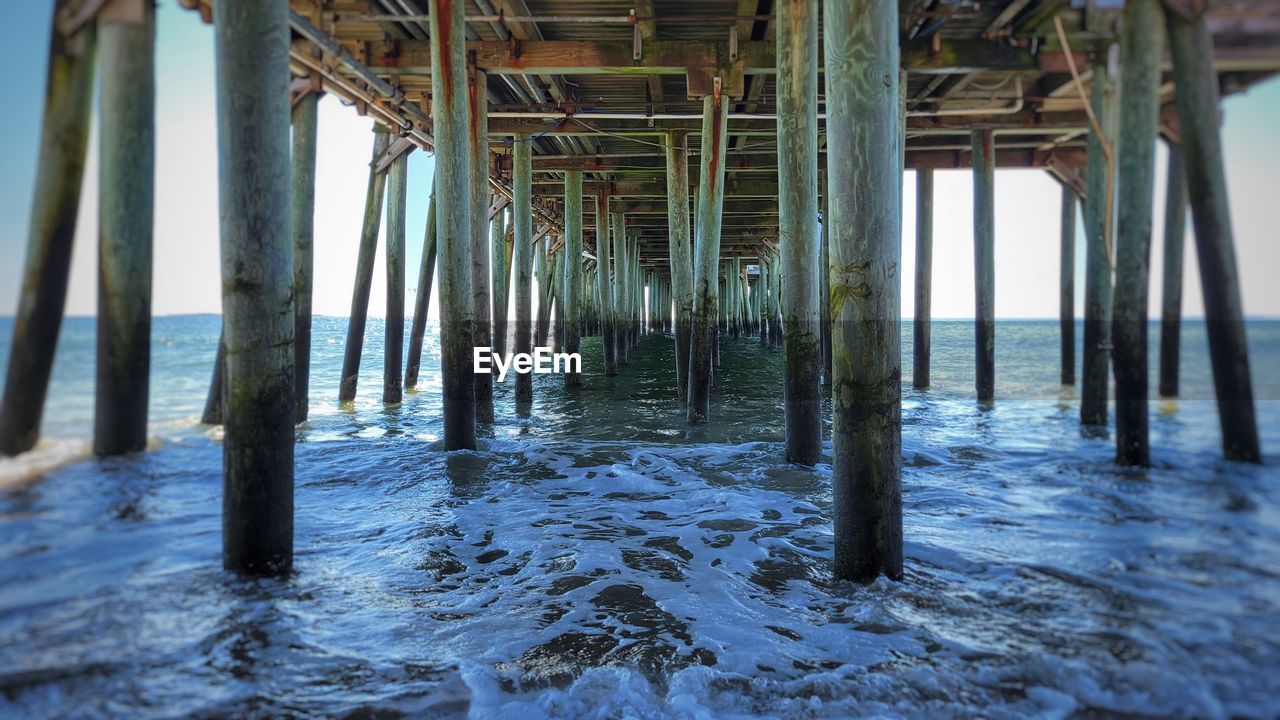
pixel 602 558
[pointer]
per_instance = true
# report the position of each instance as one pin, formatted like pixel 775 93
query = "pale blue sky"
pixel 186 253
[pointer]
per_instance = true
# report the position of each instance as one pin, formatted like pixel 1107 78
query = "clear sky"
pixel 186 229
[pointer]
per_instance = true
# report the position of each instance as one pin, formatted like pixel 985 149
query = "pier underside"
pixel 708 170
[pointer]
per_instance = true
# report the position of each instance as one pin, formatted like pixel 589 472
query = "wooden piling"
pixel 824 284
pixel 863 136
pixel 775 303
pixel 1192 49
pixel 523 255
pixel 763 310
pixel 1141 48
pixel 64 136
pixel 572 270
pixel 604 261
pixel 1067 287
pixel 1096 357
pixel 453 221
pixel 364 269
pixel 500 252
pixel 251 40
pixel 680 251
pixel 715 133
pixel 984 263
pixel 797 99
pixel 622 286
pixel 126 189
pixel 212 414
pixel 542 269
pixel 478 147
pixel 921 328
pixel 302 211
pixel 393 344
pixel 1175 232
pixel 422 300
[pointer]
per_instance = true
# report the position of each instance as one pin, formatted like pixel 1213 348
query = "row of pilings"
pixel 840 326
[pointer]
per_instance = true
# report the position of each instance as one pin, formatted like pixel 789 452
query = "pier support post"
pixel 302 209
pixel 1135 177
pixel 623 285
pixel 921 329
pixel 251 39
pixel 453 221
pixel 572 270
pixel 523 252
pixel 863 137
pixel 212 414
pixel 679 251
pixel 64 136
pixel 500 252
pixel 1096 358
pixel 984 263
pixel 364 269
pixel 1175 233
pixel 797 64
pixel 543 267
pixel 126 189
pixel 422 300
pixel 706 271
pixel 824 284
pixel 604 261
pixel 478 147
pixel 1192 49
pixel 393 345
pixel 1067 287
pixel 763 310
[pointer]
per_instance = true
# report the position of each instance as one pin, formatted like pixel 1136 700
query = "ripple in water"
pixel 601 558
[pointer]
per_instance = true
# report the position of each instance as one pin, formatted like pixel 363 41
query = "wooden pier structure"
pixel 703 169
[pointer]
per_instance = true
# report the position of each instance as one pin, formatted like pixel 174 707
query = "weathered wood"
pixel 126 190
pixel 824 284
pixel 212 414
pixel 302 210
pixel 572 271
pixel 64 136
pixel 715 125
pixel 1096 363
pixel 544 268
pixel 453 222
pixel 393 344
pixel 422 300
pixel 1067 287
pixel 863 127
pixel 251 43
pixel 1192 49
pixel 358 319
pixel 500 252
pixel 622 290
pixel 523 258
pixel 604 262
pixel 1141 48
pixel 921 330
pixel 797 98
pixel 680 250
pixel 700 60
pixel 478 147
pixel 984 264
pixel 1175 232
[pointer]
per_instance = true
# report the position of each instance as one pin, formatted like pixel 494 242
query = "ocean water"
pixel 600 558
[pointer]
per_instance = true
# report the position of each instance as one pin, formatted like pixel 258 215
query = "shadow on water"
pixel 600 556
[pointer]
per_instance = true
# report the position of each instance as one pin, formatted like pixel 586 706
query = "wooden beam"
pixel 678 57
